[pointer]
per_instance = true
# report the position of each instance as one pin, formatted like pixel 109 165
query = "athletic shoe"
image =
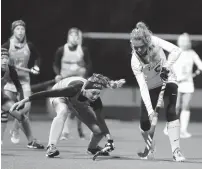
pixel 35 145
pixel 93 151
pixel 15 136
pixel 177 156
pixel 52 151
pixel 185 135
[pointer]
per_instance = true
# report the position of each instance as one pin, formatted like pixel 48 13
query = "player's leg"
pixel 80 129
pixel 185 115
pixel 25 110
pixel 24 122
pixel 173 123
pixel 178 108
pixel 15 135
pixel 61 109
pixel 96 123
pixel 66 131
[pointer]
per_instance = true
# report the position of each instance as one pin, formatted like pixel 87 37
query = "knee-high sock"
pixel 26 128
pixel 184 120
pixel 174 134
pixel 3 128
pixel 56 129
pixel 17 125
pixel 94 140
pixel 66 125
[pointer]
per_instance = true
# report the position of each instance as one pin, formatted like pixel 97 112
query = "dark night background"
pixel 49 20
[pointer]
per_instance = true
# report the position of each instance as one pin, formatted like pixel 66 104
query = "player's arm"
pixel 97 107
pixel 15 79
pixel 69 91
pixel 87 60
pixel 136 67
pixel 35 59
pixel 197 61
pixel 57 60
pixel 174 51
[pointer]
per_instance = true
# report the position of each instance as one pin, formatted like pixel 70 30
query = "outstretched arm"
pixel 69 91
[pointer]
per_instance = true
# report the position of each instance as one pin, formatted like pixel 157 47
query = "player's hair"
pixel 184 35
pixel 140 32
pixel 78 32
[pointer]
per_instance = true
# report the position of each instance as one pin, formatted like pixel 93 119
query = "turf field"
pixel 127 141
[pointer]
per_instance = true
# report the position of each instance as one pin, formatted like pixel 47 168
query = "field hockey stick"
pixel 150 134
pixel 23 69
pixel 43 84
pixel 105 149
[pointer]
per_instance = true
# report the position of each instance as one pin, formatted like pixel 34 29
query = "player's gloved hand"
pixel 153 118
pixel 58 78
pixel 110 144
pixel 117 83
pixel 35 70
pixel 164 73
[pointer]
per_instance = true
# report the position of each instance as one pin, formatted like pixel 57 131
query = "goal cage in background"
pixel 111 53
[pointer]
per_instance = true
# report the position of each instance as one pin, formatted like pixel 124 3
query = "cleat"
pixel 52 151
pixel 93 151
pixel 35 145
pixel 177 156
pixel 15 136
pixel 185 135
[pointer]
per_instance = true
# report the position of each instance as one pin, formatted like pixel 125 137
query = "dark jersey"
pixel 71 88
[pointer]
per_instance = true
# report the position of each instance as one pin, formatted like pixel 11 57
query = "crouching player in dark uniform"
pixel 81 96
pixel 9 73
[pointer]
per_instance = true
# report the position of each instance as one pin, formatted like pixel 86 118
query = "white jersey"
pixel 65 82
pixel 183 68
pixel 148 75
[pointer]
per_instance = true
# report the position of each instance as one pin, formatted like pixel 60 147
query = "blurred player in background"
pixel 183 68
pixel 22 54
pixel 81 97
pixel 151 68
pixel 72 59
pixel 8 73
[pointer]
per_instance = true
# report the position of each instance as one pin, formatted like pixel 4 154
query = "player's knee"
pixel 171 113
pixel 96 130
pixel 62 114
pixel 4 116
pixel 145 125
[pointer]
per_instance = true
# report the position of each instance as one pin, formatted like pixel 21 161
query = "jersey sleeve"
pixel 69 91
pixel 35 58
pixel 14 78
pixel 173 50
pixel 197 60
pixel 57 60
pixel 137 70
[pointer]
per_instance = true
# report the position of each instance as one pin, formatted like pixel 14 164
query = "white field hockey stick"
pixel 23 69
pixel 150 134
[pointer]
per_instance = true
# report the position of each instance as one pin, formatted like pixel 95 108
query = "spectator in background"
pixel 183 68
pixel 22 53
pixel 72 59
